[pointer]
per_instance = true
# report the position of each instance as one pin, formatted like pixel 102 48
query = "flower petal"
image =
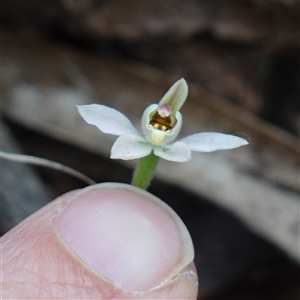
pixel 212 141
pixel 129 147
pixel 178 152
pixel 176 95
pixel 107 119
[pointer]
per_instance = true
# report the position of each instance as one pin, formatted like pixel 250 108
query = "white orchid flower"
pixel 161 123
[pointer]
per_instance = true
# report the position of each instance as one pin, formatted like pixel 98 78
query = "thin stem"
pixel 144 171
pixel 27 159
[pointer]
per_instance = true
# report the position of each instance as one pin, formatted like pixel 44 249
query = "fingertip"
pixel 107 241
pixel 121 231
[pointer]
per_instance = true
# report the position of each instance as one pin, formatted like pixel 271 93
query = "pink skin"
pixel 105 242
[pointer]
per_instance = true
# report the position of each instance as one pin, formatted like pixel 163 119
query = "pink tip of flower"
pixel 164 110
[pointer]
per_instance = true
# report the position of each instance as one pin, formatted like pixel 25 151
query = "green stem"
pixel 144 171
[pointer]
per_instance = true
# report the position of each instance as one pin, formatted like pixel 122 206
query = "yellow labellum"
pixel 157 135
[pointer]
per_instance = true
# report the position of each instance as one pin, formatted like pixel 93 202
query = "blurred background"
pixel 241 60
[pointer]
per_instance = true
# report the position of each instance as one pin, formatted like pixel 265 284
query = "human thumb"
pixel 107 241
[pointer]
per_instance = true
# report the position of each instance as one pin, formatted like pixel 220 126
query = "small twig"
pixel 46 163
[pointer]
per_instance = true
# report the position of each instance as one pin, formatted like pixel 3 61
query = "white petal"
pixel 178 152
pixel 107 119
pixel 212 141
pixel 128 147
pixel 176 95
